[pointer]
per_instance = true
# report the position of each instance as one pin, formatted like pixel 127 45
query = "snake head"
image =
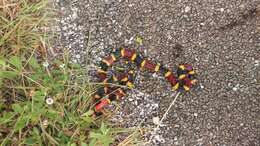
pixel 186 77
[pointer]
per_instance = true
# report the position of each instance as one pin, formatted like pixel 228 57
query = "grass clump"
pixel 23 25
pixel 47 103
pixel 42 101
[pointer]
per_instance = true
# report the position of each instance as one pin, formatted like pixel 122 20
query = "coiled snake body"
pixel 183 80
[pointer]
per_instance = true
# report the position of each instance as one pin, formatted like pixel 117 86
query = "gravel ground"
pixel 219 37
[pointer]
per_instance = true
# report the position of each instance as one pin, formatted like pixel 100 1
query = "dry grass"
pixel 23 26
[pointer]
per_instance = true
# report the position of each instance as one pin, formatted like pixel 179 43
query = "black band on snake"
pixel 182 81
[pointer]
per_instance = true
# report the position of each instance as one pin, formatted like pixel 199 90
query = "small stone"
pixel 108 1
pixel 159 138
pixel 156 120
pixel 187 9
pixel 221 9
pixel 236 87
pixel 74 15
pixel 195 114
pixel 228 10
pixel 77 56
pixel 74 61
pixel 130 99
pixel 242 6
pixel 154 75
pixel 155 105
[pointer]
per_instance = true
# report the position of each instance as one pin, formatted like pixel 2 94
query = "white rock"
pixel 175 138
pixel 77 56
pixel 74 15
pixel 154 75
pixel 130 99
pixel 74 61
pixel 176 126
pixel 156 120
pixel 187 9
pixel 155 105
pixel 236 87
pixel 257 62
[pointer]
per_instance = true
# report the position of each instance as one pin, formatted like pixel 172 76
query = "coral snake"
pixel 183 80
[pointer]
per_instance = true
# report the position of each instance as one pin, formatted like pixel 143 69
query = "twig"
pixel 164 116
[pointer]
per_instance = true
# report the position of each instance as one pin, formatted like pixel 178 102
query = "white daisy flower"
pixel 45 123
pixel 62 66
pixel 49 101
pixel 45 64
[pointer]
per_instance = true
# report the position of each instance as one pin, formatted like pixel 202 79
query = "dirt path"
pixel 219 38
